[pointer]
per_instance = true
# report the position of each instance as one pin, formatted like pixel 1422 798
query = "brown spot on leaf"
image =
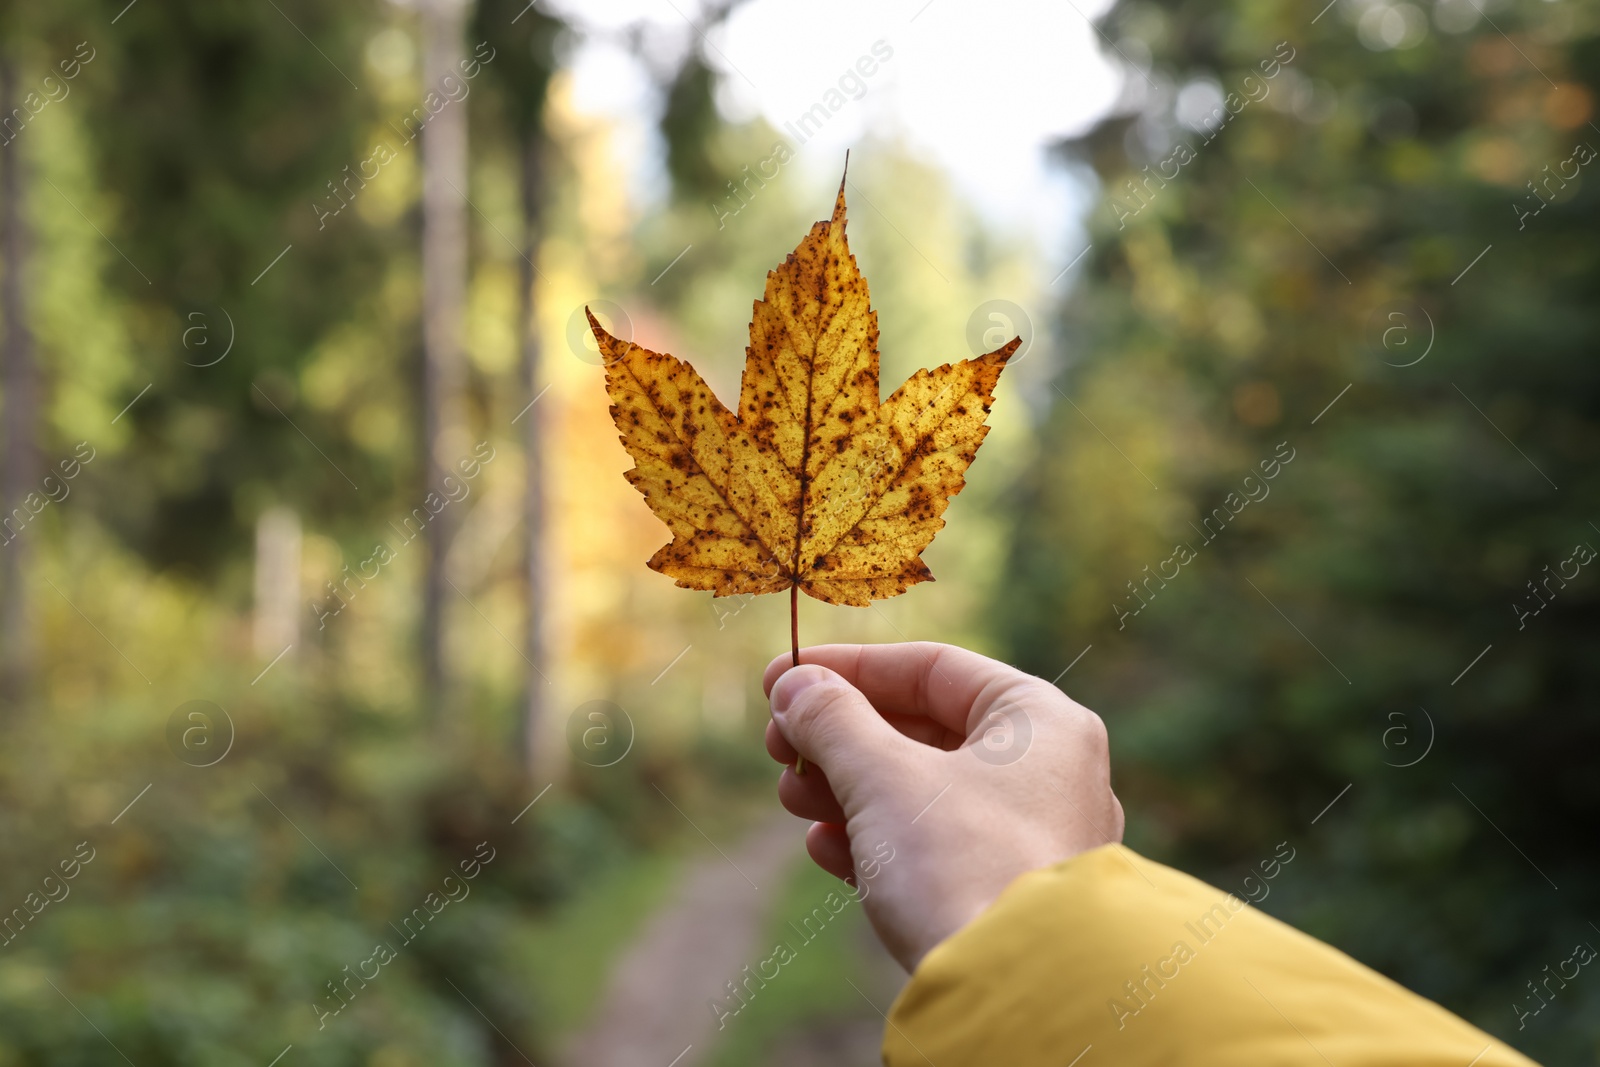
pixel 753 520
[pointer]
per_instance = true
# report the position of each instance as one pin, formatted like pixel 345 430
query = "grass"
pixel 571 950
pixel 811 988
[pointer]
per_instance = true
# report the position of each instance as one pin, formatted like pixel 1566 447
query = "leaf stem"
pixel 794 644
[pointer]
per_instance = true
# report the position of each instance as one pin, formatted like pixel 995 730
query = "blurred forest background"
pixel 319 578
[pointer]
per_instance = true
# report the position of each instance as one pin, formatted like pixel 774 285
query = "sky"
pixel 980 90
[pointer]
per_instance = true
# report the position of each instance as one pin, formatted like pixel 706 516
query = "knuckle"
pixel 1085 729
pixel 1056 704
pixel 1093 729
pixel 1085 724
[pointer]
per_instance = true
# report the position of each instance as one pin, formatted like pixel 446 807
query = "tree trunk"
pixel 19 466
pixel 444 283
pixel 537 686
pixel 276 622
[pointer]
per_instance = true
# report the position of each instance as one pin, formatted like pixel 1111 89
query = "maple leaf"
pixel 813 484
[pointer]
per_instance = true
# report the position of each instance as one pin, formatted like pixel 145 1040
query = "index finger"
pixel 943 682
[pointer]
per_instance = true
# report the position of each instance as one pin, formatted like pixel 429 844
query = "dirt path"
pixel 654 1012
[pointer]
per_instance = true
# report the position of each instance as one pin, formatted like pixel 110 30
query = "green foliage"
pixel 221 903
pixel 810 992
pixel 1224 310
pixel 690 123
pixel 524 40
pixel 201 142
pixel 215 909
pixel 224 126
pixel 568 954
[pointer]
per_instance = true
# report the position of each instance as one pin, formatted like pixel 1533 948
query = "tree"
pixel 444 285
pixel 19 394
pixel 230 143
pixel 524 42
pixel 1270 267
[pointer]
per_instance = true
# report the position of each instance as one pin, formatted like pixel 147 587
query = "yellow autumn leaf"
pixel 812 484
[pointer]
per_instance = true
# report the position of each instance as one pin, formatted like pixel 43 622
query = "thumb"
pixel 832 725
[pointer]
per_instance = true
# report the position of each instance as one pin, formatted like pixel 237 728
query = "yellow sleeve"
pixel 1110 959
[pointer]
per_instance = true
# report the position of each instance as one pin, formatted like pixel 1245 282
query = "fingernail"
pixel 791 684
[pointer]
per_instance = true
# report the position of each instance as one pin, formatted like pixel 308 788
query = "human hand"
pixel 899 739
